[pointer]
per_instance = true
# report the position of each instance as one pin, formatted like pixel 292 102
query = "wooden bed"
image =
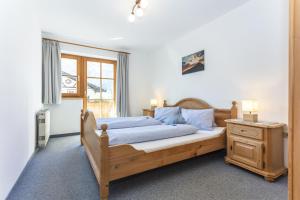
pixel 114 162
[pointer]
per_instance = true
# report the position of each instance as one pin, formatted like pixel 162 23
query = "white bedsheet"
pixel 200 135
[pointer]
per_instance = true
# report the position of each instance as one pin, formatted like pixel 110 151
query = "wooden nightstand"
pixel 148 112
pixel 257 147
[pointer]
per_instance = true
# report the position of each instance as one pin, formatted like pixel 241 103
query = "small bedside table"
pixel 148 112
pixel 257 147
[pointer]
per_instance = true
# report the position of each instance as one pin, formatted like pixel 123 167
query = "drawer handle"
pixel 242 130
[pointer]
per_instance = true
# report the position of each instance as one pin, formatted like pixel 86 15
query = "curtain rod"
pixel 82 45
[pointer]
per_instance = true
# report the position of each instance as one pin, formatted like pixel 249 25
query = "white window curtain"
pixel 122 85
pixel 51 72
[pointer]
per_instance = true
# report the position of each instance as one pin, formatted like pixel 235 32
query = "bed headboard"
pixel 220 114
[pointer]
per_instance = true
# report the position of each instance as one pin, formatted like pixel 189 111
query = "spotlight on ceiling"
pixel 137 10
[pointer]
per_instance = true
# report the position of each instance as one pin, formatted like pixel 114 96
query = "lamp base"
pixel 250 117
pixel 153 107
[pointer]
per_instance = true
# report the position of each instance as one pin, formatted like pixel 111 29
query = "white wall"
pixel 65 118
pixel 140 80
pixel 20 88
pixel 89 52
pixel 246 56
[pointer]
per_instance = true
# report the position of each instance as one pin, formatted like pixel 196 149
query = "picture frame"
pixel 193 63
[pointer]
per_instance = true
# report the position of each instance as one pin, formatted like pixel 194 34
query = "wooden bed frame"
pixel 114 162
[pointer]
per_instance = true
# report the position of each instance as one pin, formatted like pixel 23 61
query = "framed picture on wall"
pixel 193 63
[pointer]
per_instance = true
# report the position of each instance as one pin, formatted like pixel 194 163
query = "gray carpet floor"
pixel 62 171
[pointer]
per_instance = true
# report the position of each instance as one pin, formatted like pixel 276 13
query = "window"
pixel 101 83
pixel 92 79
pixel 70 79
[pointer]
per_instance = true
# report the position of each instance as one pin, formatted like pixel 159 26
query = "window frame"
pixel 100 60
pixel 80 88
pixel 82 77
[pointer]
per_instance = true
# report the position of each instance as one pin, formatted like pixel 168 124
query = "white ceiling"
pixel 96 21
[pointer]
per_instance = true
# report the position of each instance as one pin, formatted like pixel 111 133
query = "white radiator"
pixel 43 127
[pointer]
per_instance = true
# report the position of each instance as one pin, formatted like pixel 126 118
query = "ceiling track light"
pixel 137 10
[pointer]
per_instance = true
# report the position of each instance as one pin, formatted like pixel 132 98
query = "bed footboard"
pixel 97 150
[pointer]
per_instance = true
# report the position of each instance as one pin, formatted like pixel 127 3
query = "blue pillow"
pixel 169 115
pixel 202 119
pixel 174 119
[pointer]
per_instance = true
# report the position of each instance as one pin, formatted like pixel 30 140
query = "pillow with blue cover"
pixel 169 115
pixel 202 119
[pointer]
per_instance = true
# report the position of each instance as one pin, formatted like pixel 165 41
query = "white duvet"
pixel 148 133
pixel 127 122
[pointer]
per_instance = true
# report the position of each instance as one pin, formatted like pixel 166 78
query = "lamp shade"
pixel 153 102
pixel 249 106
pixel 139 12
pixel 131 18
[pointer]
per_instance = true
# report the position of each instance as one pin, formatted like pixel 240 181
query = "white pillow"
pixel 202 119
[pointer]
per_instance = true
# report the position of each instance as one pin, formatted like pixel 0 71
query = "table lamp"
pixel 153 104
pixel 249 108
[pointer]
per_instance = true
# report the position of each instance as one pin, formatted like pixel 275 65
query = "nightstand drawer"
pixel 247 131
pixel 246 151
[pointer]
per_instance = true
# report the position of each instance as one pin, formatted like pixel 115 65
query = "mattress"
pixel 200 135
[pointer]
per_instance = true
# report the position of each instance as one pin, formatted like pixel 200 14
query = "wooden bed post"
pixel 104 164
pixel 234 110
pixel 81 125
pixel 165 103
